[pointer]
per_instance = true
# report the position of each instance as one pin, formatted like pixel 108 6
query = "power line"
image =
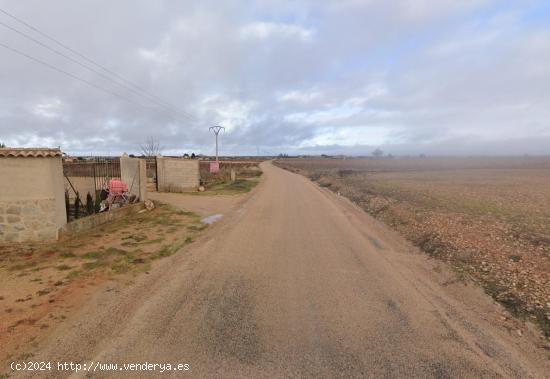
pixel 128 83
pixel 76 61
pixel 70 74
pixel 79 54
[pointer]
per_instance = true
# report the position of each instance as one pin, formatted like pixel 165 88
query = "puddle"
pixel 211 219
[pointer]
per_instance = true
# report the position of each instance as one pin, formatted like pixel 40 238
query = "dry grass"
pixel 489 218
pixel 137 237
pixel 40 281
pixel 237 187
pixel 243 170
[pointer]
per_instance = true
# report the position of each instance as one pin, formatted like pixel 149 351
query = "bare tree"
pixel 378 153
pixel 151 147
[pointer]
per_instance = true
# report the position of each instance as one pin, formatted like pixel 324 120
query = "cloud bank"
pixel 433 77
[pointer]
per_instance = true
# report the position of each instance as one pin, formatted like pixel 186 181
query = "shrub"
pixel 89 204
pixel 77 206
pixel 97 204
pixel 67 205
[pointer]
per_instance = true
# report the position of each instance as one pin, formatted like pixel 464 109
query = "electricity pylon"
pixel 216 130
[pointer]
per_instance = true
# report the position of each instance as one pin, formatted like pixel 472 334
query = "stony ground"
pixel 490 220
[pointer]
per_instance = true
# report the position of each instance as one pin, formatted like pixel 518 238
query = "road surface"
pixel 297 282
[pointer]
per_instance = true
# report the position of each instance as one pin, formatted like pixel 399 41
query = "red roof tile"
pixel 29 152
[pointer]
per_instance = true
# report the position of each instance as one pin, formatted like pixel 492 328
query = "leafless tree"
pixel 378 153
pixel 151 147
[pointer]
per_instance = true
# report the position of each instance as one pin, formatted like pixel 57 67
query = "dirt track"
pixel 298 282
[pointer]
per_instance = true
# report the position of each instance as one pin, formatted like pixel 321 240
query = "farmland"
pixel 488 217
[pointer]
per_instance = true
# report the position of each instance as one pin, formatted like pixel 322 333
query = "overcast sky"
pixel 343 76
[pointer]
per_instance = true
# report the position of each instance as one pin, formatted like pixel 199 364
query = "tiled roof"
pixel 29 152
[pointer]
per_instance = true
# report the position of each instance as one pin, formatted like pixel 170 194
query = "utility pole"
pixel 216 130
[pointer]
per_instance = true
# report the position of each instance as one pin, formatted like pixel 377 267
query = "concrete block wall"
pixel 177 174
pixel 32 197
pixel 133 172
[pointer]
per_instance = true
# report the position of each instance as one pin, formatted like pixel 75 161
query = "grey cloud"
pixel 441 77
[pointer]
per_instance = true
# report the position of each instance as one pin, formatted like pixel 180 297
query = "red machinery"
pixel 116 195
pixel 117 187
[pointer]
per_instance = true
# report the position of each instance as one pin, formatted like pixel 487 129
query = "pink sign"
pixel 214 167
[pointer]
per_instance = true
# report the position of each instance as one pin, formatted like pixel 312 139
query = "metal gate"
pixel 98 170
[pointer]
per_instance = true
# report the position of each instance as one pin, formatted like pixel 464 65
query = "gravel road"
pixel 296 282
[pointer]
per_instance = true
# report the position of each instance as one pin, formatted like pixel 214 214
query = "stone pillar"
pixel 133 172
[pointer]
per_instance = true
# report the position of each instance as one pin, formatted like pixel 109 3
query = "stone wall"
pixel 27 220
pixel 177 174
pixel 32 198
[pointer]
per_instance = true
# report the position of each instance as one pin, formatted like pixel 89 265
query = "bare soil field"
pixel 488 217
pixel 41 283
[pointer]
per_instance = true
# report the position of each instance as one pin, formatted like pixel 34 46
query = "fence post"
pixel 142 167
pixel 133 172
pixel 95 179
pixel 156 173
